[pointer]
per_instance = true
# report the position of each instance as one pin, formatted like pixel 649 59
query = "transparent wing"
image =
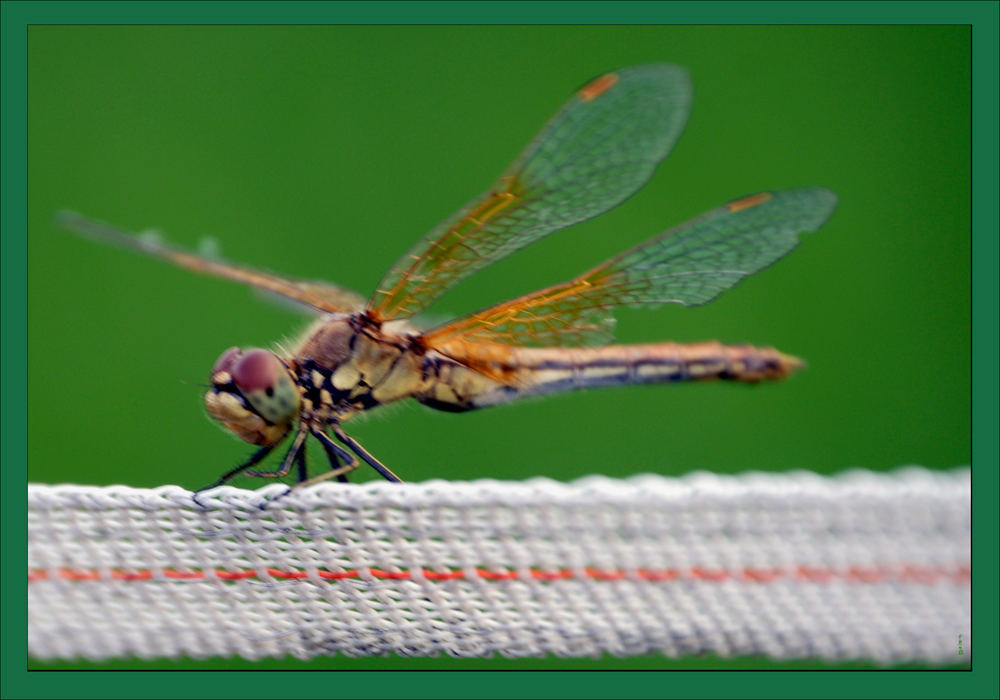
pixel 319 295
pixel 600 148
pixel 691 264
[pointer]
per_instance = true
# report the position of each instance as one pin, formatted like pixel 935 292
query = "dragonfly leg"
pixel 335 453
pixel 365 455
pixel 300 466
pixel 254 459
pixel 290 457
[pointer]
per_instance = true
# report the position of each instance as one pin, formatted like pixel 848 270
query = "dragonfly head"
pixel 254 395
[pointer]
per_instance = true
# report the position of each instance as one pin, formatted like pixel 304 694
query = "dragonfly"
pixel 601 147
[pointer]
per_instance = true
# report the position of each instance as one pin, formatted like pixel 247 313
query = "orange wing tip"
pixel 748 202
pixel 598 86
pixel 792 363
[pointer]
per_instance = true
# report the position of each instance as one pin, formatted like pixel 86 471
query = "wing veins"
pixel 753 232
pixel 649 104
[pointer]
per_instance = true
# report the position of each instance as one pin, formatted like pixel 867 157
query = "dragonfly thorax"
pixel 351 362
pixel 254 395
pixel 331 340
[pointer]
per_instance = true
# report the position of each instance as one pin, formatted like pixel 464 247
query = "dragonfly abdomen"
pixel 548 370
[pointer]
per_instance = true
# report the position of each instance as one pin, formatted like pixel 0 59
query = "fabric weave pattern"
pixel 860 565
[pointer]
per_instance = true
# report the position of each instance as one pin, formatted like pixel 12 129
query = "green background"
pixel 325 152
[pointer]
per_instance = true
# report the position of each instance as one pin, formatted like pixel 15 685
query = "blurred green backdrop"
pixel 325 152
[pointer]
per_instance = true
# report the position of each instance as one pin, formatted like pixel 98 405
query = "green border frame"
pixel 982 681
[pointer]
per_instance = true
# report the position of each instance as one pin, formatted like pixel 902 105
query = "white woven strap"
pixel 857 566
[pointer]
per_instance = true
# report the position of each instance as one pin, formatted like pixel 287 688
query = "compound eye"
pixel 226 361
pixel 264 383
pixel 258 369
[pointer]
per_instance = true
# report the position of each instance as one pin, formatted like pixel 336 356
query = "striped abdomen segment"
pixel 536 371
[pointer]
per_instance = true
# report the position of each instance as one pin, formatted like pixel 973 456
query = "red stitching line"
pixel 908 573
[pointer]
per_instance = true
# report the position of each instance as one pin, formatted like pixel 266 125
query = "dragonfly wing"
pixel 319 295
pixel 598 150
pixel 691 264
